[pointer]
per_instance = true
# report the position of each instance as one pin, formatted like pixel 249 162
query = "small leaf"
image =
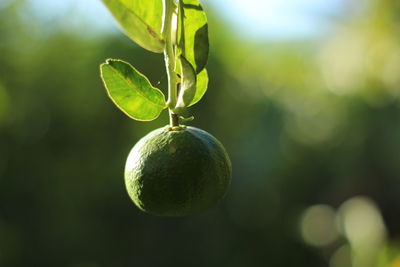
pixel 201 86
pixel 184 120
pixel 188 85
pixel 141 20
pixel 131 91
pixel 193 37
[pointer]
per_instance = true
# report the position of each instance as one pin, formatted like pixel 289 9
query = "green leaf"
pixel 201 87
pixel 141 20
pixel 188 83
pixel 131 91
pixel 193 37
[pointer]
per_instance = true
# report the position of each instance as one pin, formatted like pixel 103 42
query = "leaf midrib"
pixel 131 85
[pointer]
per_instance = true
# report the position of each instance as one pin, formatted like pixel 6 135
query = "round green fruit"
pixel 177 171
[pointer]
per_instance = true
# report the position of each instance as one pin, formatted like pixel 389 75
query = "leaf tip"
pixel 109 61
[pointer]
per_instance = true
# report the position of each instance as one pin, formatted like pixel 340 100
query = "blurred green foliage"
pixel 305 122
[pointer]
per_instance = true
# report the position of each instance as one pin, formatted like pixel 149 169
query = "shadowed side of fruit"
pixel 177 172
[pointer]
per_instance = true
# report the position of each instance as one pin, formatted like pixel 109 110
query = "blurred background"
pixel 303 94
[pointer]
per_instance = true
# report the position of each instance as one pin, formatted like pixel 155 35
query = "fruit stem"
pixel 174 119
pixel 169 33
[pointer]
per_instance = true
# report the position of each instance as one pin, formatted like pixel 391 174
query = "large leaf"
pixel 188 85
pixel 193 37
pixel 201 86
pixel 131 91
pixel 141 20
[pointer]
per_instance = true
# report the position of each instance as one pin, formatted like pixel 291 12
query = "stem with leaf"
pixel 169 35
pixel 182 37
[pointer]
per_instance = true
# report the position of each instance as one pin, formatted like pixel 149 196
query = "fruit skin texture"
pixel 177 172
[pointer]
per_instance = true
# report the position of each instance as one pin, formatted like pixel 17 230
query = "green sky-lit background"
pixel 303 94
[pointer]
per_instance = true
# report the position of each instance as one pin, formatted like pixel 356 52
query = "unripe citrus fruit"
pixel 177 171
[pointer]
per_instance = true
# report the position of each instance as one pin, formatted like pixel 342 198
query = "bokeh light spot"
pixel 361 222
pixel 341 257
pixel 318 225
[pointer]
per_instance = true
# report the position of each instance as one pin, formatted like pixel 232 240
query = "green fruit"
pixel 177 171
